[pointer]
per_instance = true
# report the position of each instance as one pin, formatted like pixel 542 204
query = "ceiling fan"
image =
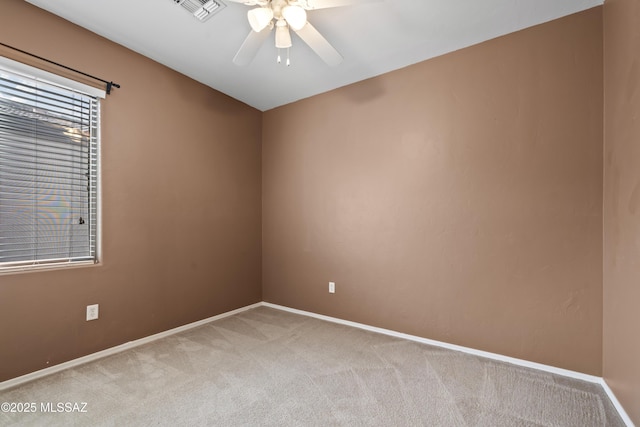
pixel 285 15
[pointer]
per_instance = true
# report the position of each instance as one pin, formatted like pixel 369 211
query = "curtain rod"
pixel 108 83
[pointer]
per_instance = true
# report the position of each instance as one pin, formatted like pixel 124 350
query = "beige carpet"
pixel 266 367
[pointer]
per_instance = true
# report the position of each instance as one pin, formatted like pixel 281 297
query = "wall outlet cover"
pixel 92 312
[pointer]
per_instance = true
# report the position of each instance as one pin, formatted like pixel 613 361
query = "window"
pixel 48 169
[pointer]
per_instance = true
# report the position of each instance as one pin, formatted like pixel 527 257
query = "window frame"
pixel 39 75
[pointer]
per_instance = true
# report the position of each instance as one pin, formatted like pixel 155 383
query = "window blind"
pixel 48 172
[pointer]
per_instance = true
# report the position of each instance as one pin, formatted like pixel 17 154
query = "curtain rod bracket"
pixel 110 85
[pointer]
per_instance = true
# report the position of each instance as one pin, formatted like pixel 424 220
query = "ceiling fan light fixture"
pixel 283 37
pixel 259 18
pixel 296 16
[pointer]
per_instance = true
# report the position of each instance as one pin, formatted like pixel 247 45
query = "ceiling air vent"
pixel 202 9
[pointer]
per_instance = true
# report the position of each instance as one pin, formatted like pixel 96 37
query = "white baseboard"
pixel 117 349
pixel 623 414
pixel 485 354
pixel 126 346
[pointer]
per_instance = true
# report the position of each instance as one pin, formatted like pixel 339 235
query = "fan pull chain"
pixel 279 58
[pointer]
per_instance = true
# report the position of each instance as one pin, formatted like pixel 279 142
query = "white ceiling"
pixel 373 38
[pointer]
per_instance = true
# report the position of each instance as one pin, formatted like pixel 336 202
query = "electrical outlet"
pixel 92 312
pixel 332 287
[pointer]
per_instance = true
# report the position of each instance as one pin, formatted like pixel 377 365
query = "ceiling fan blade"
pixel 250 47
pixel 324 4
pixel 319 44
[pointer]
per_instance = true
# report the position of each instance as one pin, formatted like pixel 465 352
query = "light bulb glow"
pixel 296 16
pixel 259 18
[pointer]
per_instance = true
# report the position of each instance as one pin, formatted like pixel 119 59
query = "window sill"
pixel 18 269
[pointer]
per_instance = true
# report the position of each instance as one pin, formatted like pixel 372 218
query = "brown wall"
pixel 181 207
pixel 621 364
pixel 459 199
